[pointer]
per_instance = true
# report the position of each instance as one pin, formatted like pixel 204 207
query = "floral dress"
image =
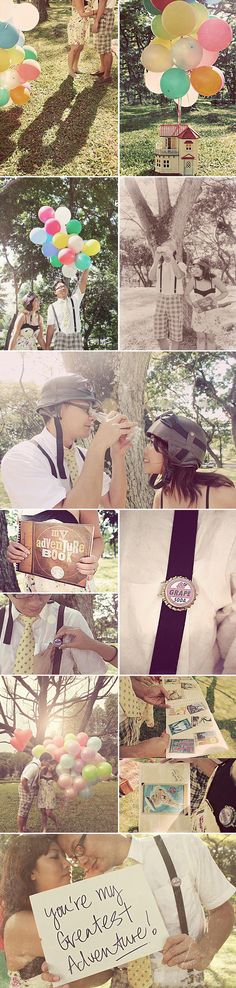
pixel 78 27
pixel 47 795
pixel 27 340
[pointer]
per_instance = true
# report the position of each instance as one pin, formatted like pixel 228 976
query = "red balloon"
pixel 161 4
pixel 52 226
pixel 20 739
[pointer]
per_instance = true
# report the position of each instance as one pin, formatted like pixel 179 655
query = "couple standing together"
pixel 201 290
pixel 102 12
pixel 63 320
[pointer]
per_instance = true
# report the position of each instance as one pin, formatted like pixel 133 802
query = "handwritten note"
pixel 98 924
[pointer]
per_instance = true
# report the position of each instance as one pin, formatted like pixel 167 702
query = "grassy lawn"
pixel 97 814
pixel 107 576
pixel 66 128
pixel 140 129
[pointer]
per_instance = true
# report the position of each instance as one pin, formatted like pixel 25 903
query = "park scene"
pixel 190 222
pixel 29 261
pixel 173 84
pixel 68 123
pixel 65 730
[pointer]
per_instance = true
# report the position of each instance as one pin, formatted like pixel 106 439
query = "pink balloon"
pixel 99 758
pixel 51 749
pixel 64 780
pixel 45 213
pixel 78 766
pixel 66 256
pixel 70 793
pixel 215 34
pixel 52 226
pixel 57 754
pixel 29 70
pixel 79 784
pixel 82 738
pixel 86 756
pixel 59 742
pixel 208 58
pixel 73 748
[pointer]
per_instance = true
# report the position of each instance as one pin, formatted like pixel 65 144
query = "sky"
pixel 23 722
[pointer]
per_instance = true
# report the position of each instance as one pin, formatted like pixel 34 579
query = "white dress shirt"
pixel 209 637
pixel 31 771
pixel 44 631
pixel 27 476
pixel 64 311
pixel 203 887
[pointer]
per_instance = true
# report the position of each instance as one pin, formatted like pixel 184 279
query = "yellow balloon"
pixel 160 41
pixel 60 240
pixel 17 55
pixel 156 58
pixel 20 95
pixel 200 13
pixel 178 18
pixel 5 58
pixel 91 247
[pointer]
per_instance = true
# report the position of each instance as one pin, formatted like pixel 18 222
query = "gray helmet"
pixel 186 440
pixel 70 387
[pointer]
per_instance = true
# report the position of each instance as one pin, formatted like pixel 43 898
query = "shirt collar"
pixel 17 614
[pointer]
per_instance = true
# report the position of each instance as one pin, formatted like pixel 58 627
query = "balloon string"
pixel 179 110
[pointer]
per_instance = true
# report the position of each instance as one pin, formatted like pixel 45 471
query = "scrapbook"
pixel 164 797
pixel 55 548
pixel 189 721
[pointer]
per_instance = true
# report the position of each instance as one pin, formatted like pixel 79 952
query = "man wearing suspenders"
pixel 63 320
pixel 168 275
pixel 51 471
pixel 185 882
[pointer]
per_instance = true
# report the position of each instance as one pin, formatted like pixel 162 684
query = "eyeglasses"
pixel 90 409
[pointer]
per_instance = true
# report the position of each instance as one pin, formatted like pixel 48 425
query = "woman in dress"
pixel 78 30
pixel 203 291
pixel 31 864
pixel 28 328
pixel 46 793
pixel 176 448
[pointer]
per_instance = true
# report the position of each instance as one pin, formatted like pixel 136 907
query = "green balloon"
pixel 149 7
pixel 174 83
pixel 104 770
pixel 90 773
pixel 55 262
pixel 74 226
pixel 30 53
pixel 157 28
pixel 4 96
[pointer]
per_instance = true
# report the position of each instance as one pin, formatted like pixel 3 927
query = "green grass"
pixel 140 128
pixel 4 979
pixel 96 814
pixel 65 128
pixel 107 576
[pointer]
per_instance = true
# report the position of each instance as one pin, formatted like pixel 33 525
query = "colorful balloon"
pixel 8 35
pixel 30 52
pixel 90 773
pixel 52 226
pixel 104 770
pixel 152 81
pixel 45 213
pixel 174 83
pixel 189 99
pixel 200 13
pixel 75 242
pixel 208 58
pixel 48 249
pixel 215 34
pixel 64 780
pixel 156 58
pixel 91 247
pixel 74 226
pixel 38 236
pixel 157 28
pixel 29 70
pixel 38 750
pixel 150 7
pixel 25 16
pixel 54 261
pixel 187 53
pixel 206 81
pixel 66 761
pixel 4 96
pixel 82 738
pixel 82 262
pixel 178 18
pixel 95 743
pixel 60 240
pixel 63 214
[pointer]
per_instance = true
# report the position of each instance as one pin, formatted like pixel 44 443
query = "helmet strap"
pixel 60 447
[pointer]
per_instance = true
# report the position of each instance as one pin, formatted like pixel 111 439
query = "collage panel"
pixel 59 113
pixel 122 891
pixel 177 754
pixel 59 260
pixel 58 760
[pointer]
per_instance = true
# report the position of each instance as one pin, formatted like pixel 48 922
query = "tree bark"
pixel 8 578
pixel 130 392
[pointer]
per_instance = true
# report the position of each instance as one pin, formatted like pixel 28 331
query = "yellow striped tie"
pixel 70 458
pixel 139 973
pixel 24 662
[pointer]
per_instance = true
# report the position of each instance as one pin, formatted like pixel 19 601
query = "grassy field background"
pixel 140 132
pixel 96 814
pixel 65 128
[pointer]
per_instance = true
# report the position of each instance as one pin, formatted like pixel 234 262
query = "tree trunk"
pixel 8 579
pixel 130 391
pixel 188 195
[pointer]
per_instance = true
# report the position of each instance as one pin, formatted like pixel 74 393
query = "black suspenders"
pixel 9 625
pixel 58 654
pixel 57 320
pixel 175 883
pixel 50 461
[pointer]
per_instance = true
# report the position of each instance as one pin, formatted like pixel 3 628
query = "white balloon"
pixel 187 53
pixel 75 242
pixel 69 270
pixel 6 10
pixel 25 16
pixel 62 214
pixel 152 81
pixel 11 79
pixel 190 98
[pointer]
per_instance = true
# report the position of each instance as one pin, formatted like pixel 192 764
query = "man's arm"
pixel 116 496
pixel 101 10
pixel 192 955
pixel 49 335
pixel 82 285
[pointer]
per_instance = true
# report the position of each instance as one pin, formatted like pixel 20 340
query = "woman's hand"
pixel 16 552
pixel 43 661
pixel 78 638
pixel 50 978
pixel 87 566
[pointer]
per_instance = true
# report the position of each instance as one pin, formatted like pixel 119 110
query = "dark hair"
pixel 205 269
pixel 19 859
pixel 185 481
pixel 28 300
pixel 59 281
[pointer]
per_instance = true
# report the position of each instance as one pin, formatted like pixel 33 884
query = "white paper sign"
pixel 98 924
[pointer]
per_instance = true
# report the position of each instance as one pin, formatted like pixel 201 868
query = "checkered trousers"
pixel 103 38
pixel 168 318
pixel 72 341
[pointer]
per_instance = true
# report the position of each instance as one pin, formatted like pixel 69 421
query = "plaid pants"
pixel 72 341
pixel 103 38
pixel 129 731
pixel 168 318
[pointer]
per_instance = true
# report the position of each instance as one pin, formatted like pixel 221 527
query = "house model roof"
pixel 178 130
pixel 188 135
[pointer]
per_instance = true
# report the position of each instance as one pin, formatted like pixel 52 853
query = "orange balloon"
pixel 206 81
pixel 20 95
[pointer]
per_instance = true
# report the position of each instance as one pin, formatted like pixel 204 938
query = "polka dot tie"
pixel 24 661
pixel 70 459
pixel 139 973
pixel 132 706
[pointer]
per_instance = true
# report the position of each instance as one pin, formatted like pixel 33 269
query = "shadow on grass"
pixel 71 134
pixel 10 122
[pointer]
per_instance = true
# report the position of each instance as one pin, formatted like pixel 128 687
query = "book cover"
pixel 55 548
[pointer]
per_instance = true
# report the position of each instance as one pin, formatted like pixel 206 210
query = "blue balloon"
pixel 85 793
pixel 38 236
pixel 49 250
pixel 8 35
pixel 21 40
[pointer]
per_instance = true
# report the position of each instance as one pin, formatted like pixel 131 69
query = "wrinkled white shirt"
pixel 44 631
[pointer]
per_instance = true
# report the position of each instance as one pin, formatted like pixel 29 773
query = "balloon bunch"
pixel 80 765
pixel 20 739
pixel 61 242
pixel 180 60
pixel 19 65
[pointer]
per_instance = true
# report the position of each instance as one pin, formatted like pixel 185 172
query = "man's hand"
pixel 95 26
pixel 185 952
pixel 50 978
